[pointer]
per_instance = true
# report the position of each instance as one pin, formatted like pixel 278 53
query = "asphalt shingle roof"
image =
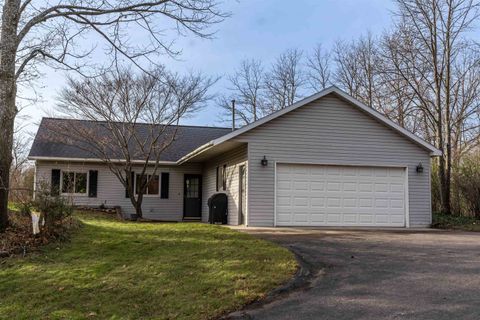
pixel 48 144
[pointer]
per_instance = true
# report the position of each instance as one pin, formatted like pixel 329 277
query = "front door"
pixel 242 179
pixel 192 195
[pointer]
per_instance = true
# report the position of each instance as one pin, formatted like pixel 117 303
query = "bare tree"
pixel 246 87
pixel 135 118
pixel 284 80
pixel 356 69
pixel 318 64
pixel 346 68
pixel 54 33
pixel 429 42
pixel 21 169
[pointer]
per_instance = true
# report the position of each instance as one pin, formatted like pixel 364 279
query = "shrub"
pixel 466 185
pixel 24 208
pixel 53 208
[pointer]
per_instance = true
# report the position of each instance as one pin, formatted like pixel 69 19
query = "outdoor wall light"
pixel 264 161
pixel 420 168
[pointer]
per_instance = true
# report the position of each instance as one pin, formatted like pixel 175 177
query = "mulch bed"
pixel 19 239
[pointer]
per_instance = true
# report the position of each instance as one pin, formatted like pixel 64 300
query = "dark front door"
pixel 192 195
pixel 242 179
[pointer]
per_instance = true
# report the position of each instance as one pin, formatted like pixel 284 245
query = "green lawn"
pixel 443 221
pixel 12 206
pixel 125 270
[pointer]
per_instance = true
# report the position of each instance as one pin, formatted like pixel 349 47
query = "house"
pixel 327 160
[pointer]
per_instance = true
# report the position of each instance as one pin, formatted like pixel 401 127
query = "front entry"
pixel 192 197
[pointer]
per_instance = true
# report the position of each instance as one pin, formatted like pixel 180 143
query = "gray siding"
pixel 233 159
pixel 331 131
pixel 112 193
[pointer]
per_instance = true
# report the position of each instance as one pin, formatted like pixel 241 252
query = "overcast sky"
pixel 256 29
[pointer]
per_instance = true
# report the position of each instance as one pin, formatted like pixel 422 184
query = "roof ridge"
pixel 140 123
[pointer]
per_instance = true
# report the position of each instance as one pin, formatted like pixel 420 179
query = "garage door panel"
pixel 318 217
pixel 350 218
pixel 350 186
pixel 284 185
pixel 317 185
pixel 349 202
pixel 316 202
pixel 314 195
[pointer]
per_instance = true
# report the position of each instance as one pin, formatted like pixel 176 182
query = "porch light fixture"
pixel 264 161
pixel 420 168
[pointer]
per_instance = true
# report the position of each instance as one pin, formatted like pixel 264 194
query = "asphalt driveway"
pixel 378 274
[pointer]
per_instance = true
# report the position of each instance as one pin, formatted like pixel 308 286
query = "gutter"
pixel 95 160
pixel 196 152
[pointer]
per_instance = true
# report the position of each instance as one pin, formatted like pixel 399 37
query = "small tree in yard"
pixel 53 33
pixel 133 118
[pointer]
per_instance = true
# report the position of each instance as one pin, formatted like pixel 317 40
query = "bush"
pixel 448 221
pixel 53 208
pixel 466 185
pixel 24 208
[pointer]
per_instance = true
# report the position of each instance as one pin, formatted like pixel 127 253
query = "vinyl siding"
pixel 233 159
pixel 331 131
pixel 112 193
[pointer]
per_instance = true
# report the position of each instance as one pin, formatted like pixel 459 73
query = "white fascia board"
pixel 196 152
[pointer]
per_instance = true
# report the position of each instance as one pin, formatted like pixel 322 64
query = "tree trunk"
pixel 130 185
pixel 138 207
pixel 138 210
pixel 8 109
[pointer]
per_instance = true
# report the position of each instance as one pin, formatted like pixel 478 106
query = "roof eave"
pixel 196 152
pixel 41 158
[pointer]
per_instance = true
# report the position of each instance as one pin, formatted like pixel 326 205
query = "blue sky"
pixel 256 29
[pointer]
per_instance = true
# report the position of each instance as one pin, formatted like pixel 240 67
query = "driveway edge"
pixel 301 280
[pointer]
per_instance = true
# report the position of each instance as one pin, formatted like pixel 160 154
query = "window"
pixel 221 178
pixel 74 182
pixel 192 187
pixel 152 187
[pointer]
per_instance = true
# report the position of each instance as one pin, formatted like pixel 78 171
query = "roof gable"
pixel 331 90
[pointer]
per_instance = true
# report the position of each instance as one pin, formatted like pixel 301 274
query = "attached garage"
pixel 330 160
pixel 330 195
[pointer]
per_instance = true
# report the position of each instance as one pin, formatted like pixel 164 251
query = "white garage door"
pixel 317 195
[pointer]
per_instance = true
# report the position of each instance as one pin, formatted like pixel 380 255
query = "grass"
pixel 12 206
pixel 444 221
pixel 125 270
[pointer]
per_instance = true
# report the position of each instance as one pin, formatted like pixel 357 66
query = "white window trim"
pixel 148 195
pixel 75 175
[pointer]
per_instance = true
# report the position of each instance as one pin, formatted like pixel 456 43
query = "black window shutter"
pixel 92 183
pixel 55 183
pixel 216 183
pixel 165 185
pixel 132 179
pixel 224 177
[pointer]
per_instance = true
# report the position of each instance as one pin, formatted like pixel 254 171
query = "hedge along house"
pixel 327 160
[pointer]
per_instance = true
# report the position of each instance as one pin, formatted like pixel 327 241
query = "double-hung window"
pixel 74 182
pixel 153 186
